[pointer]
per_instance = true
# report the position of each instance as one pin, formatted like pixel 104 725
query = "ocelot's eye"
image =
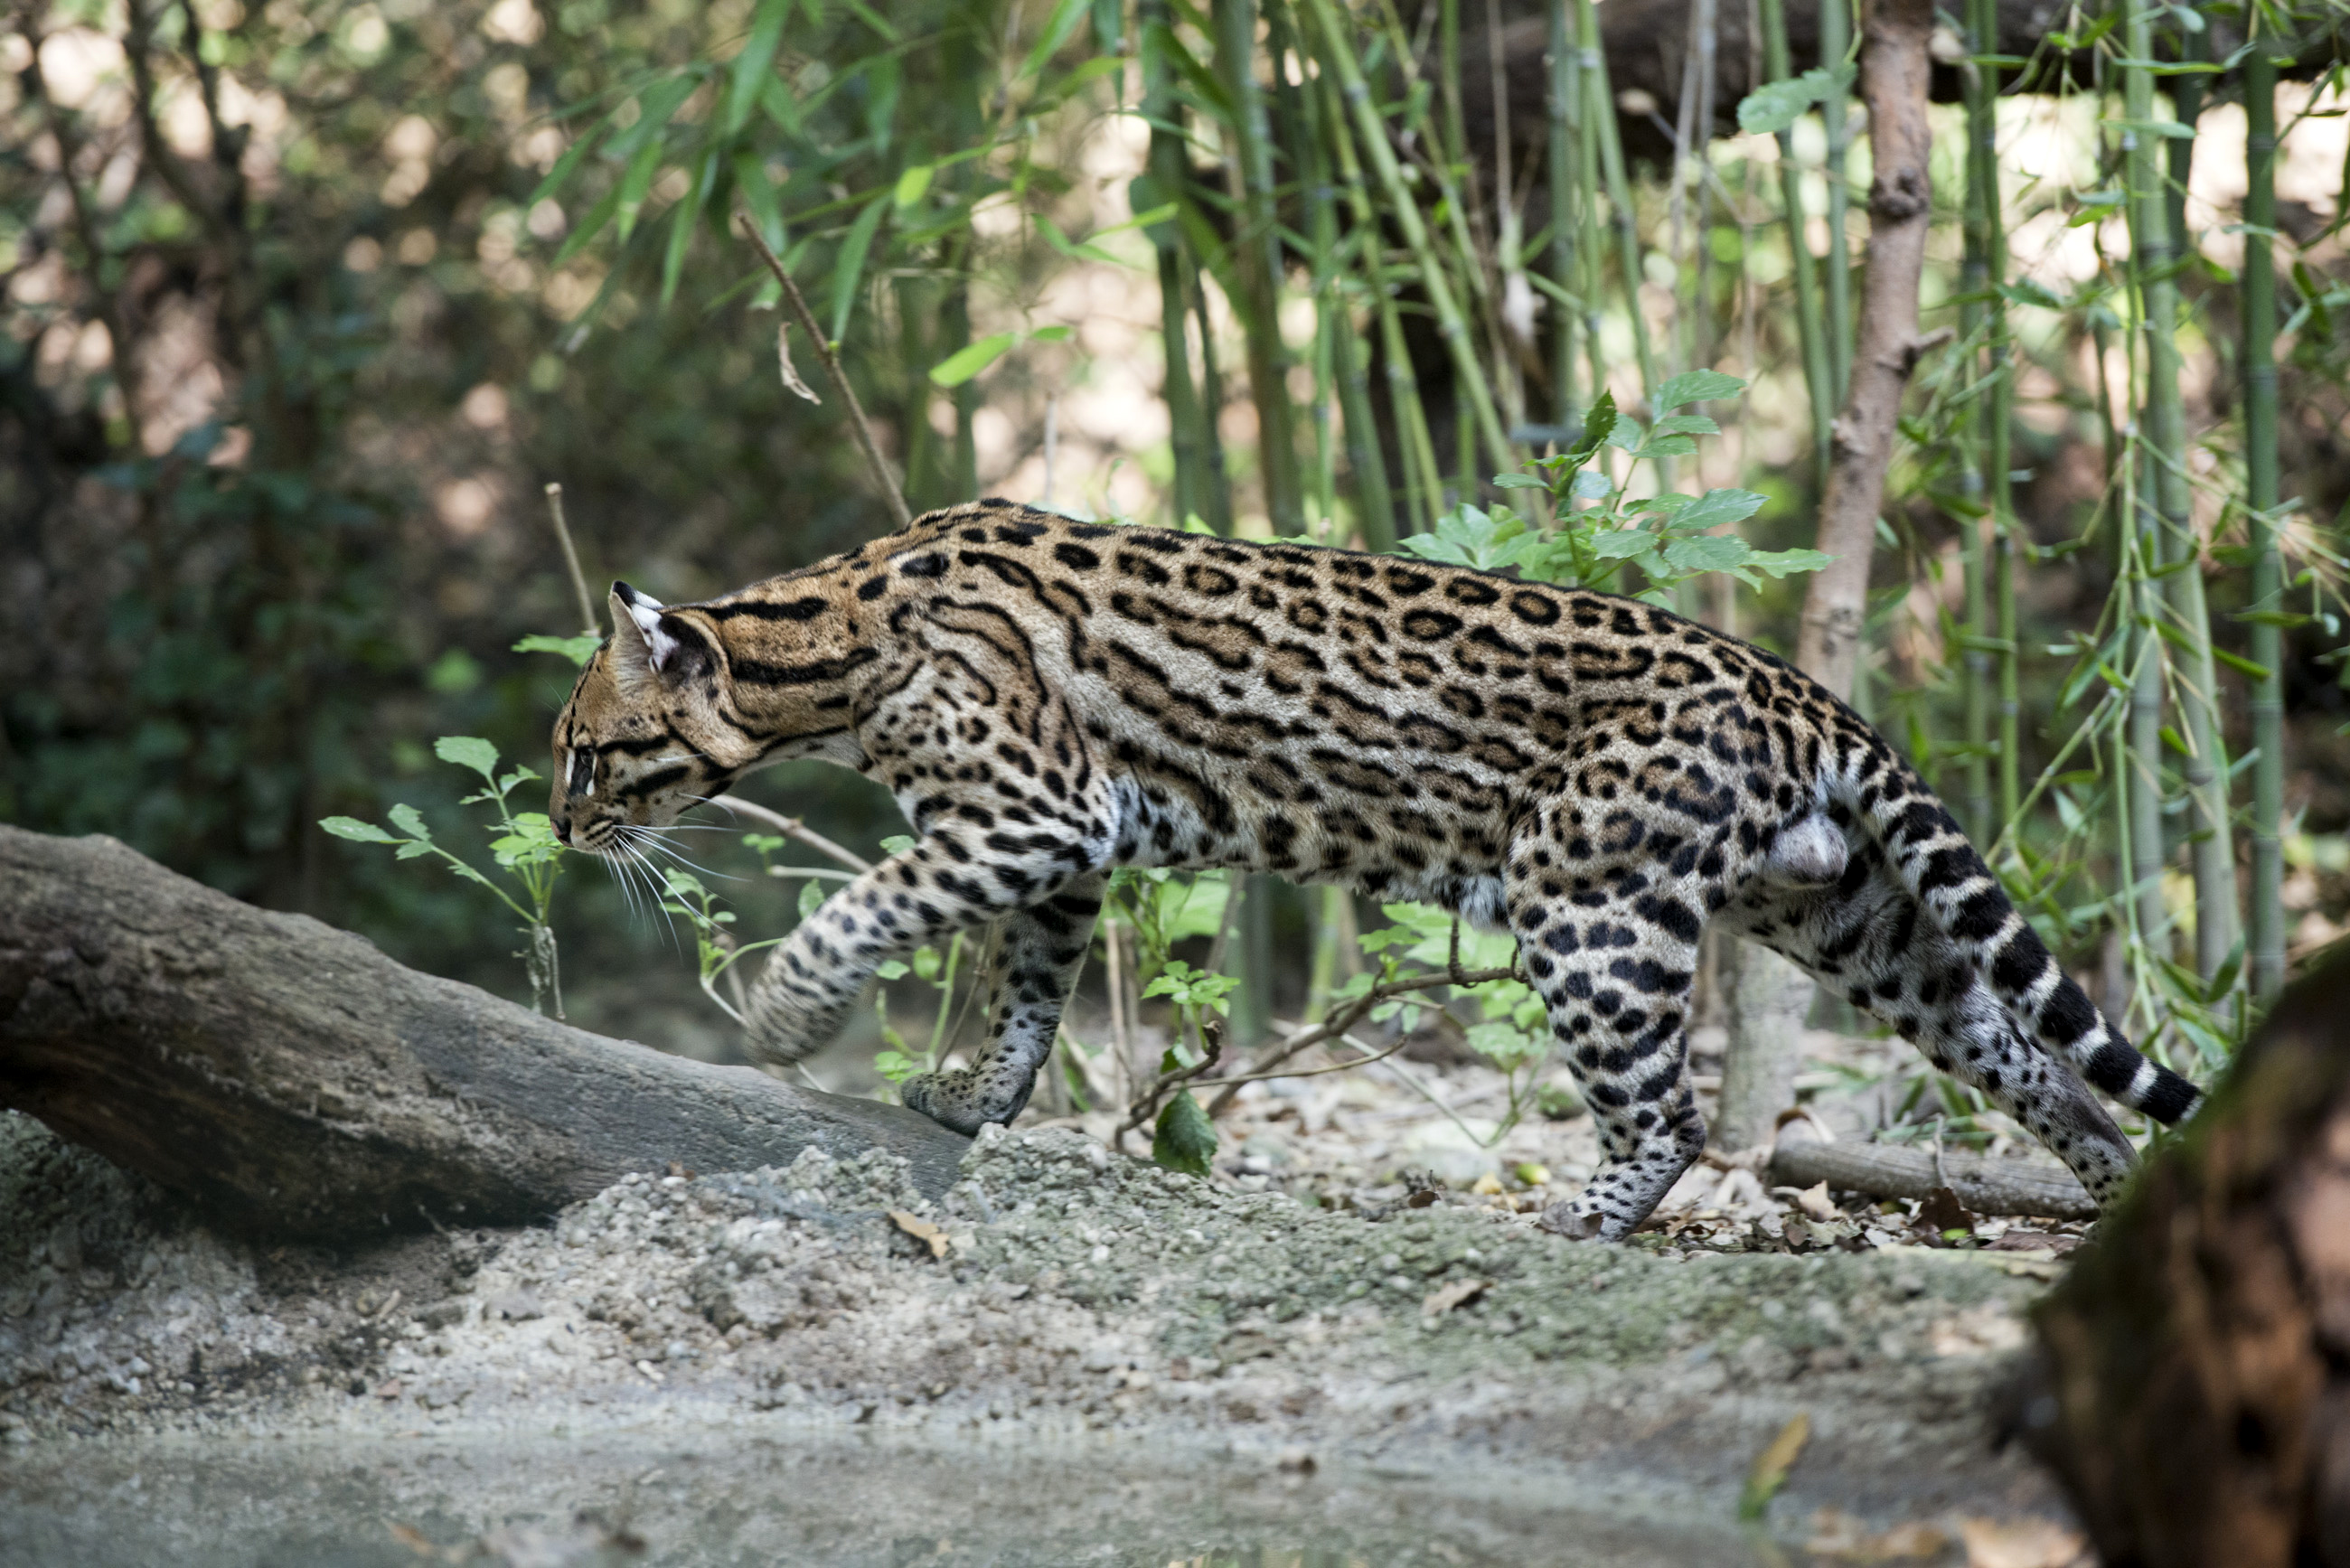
pixel 582 777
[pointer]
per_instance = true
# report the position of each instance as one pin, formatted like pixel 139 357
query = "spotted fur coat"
pixel 1047 700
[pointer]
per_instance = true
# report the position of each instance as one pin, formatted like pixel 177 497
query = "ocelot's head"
pixel 641 740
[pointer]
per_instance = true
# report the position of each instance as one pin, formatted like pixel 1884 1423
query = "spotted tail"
pixel 1931 855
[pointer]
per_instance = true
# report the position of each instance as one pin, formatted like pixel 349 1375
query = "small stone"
pixel 519 1306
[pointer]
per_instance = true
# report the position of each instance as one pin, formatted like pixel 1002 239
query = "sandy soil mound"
pixel 1056 1290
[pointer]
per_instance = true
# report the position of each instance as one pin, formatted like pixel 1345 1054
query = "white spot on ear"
pixel 659 644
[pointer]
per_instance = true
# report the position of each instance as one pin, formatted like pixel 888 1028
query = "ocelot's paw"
pixel 1575 1224
pixel 952 1100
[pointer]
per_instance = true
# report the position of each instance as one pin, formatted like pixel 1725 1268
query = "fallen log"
pixel 296 1082
pixel 1984 1184
pixel 2194 1390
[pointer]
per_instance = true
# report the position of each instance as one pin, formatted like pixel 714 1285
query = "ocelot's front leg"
pixel 913 899
pixel 1042 948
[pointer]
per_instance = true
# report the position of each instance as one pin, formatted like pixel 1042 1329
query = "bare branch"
pixel 858 425
pixel 793 827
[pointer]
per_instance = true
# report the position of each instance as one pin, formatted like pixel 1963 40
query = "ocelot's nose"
pixel 562 825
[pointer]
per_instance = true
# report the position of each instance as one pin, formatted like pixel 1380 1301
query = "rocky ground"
pixel 1333 1319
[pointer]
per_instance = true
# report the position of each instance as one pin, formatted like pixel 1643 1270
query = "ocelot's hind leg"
pixel 1616 969
pixel 1043 947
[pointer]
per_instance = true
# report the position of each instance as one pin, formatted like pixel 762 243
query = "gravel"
pixel 1056 1293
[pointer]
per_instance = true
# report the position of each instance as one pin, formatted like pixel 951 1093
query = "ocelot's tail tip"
pixel 2172 1099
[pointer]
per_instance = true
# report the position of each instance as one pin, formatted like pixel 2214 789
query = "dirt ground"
pixel 1360 1289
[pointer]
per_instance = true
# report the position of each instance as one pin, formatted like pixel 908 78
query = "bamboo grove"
pixel 1386 278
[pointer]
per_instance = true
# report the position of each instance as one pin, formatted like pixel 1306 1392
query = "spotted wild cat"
pixel 1048 698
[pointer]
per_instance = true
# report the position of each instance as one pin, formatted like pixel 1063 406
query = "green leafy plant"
pixel 1601 527
pixel 523 845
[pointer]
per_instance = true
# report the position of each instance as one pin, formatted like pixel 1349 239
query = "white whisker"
pixel 650 838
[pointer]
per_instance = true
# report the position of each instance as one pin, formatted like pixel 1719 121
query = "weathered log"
pixel 1987 1186
pixel 2194 1393
pixel 295 1082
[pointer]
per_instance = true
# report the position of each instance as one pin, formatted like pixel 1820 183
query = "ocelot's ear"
pixel 649 640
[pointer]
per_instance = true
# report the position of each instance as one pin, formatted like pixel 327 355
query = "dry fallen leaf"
pixel 921 1230
pixel 2022 1543
pixel 1836 1533
pixel 1461 1292
pixel 1816 1205
pixel 414 1539
pixel 791 372
pixel 1771 1465
pixel 1487 1185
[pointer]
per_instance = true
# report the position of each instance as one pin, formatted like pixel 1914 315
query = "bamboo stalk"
pixel 1257 265
pixel 2000 416
pixel 1168 174
pixel 1212 399
pixel 1819 376
pixel 1835 40
pixel 1976 283
pixel 1339 54
pixel 1564 410
pixel 2267 939
pixel 1418 447
pixel 2154 260
pixel 2142 543
pixel 1619 192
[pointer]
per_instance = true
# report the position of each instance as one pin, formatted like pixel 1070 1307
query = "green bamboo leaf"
pixel 1695 387
pixel 913 184
pixel 355 830
pixel 680 229
pixel 1184 1139
pixel 749 72
pixel 568 165
pixel 970 361
pixel 657 106
pixel 468 751
pixel 1063 21
pixel 1074 249
pixel 591 224
pixel 578 650
pixel 849 267
pixel 2241 666
pixel 636 182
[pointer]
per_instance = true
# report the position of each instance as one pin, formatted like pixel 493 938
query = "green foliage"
pixel 1191 989
pixel 523 845
pixel 1774 106
pixel 578 650
pixel 1184 1139
pixel 1601 527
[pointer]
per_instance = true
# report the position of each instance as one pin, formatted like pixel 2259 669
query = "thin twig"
pixel 587 626
pixel 858 423
pixel 1344 1019
pixel 793 827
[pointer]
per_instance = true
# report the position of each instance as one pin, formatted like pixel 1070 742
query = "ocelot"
pixel 1047 700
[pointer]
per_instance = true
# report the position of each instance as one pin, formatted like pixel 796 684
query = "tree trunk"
pixel 296 1082
pixel 1894 68
pixel 1768 995
pixel 2194 1390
